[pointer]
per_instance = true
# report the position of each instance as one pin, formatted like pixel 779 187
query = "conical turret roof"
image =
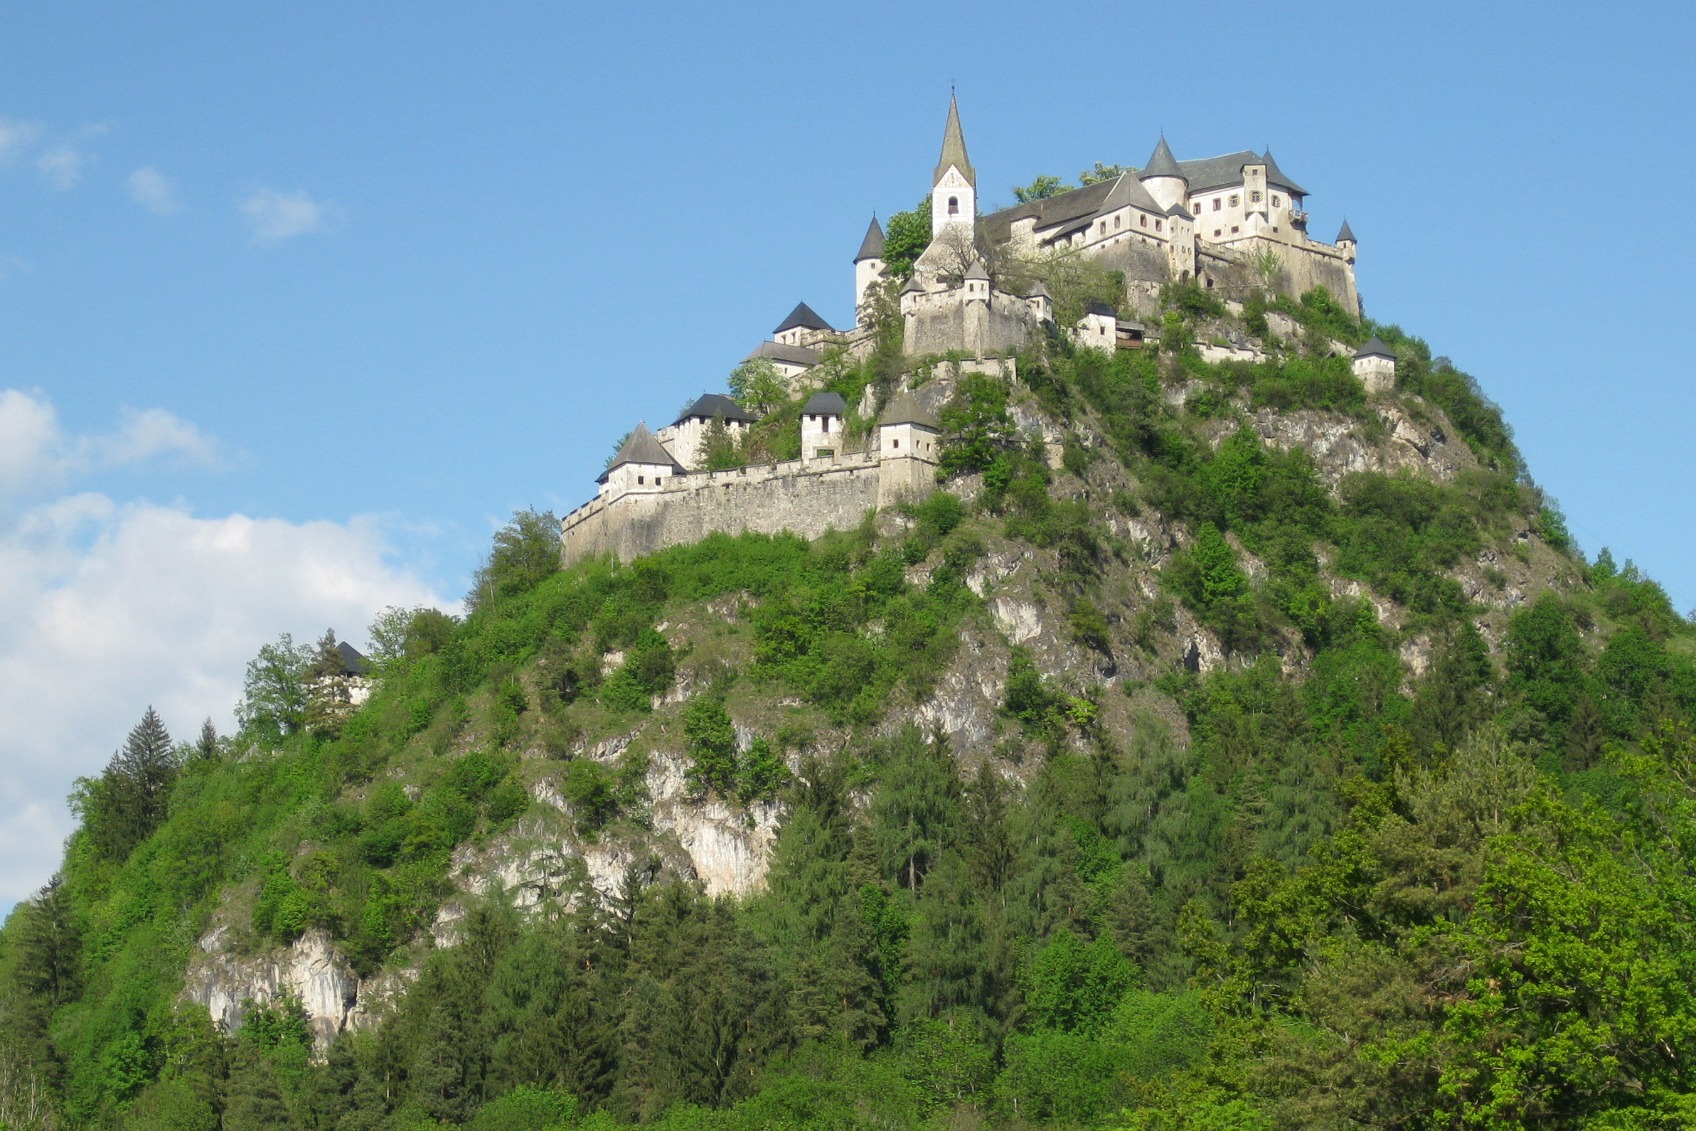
pixel 803 317
pixel 642 447
pixel 872 246
pixel 906 409
pixel 977 271
pixel 1162 163
pixel 1346 233
pixel 954 148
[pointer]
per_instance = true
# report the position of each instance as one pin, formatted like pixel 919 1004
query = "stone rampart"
pixel 769 499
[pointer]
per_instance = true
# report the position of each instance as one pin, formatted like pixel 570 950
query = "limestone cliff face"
pixel 230 985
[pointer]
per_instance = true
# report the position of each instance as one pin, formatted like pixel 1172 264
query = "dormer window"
pixel 953 206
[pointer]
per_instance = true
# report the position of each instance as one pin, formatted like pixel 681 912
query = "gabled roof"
pixel 353 662
pixel 1179 210
pixel 906 409
pixel 954 148
pixel 1208 173
pixel 1039 289
pixel 872 246
pixel 1375 348
pixel 1346 233
pixel 788 354
pixel 803 317
pixel 1161 163
pixel 711 405
pixel 642 448
pixel 1127 192
pixel 825 403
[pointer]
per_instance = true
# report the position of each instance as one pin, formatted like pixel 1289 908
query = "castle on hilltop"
pixel 1232 224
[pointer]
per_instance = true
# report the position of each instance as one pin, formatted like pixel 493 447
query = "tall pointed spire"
pixel 954 148
pixel 1346 233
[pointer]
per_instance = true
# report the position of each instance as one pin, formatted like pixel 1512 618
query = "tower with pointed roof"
pixel 1162 178
pixel 954 185
pixel 1346 241
pixel 868 265
pixel 642 466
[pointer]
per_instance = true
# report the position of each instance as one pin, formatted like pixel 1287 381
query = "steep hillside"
pixel 1221 746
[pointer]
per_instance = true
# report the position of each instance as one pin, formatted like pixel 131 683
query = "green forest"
pixel 1316 885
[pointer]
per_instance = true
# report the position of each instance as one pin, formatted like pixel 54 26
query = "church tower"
pixel 954 190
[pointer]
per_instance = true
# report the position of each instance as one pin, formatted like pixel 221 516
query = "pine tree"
pixel 123 806
pixel 254 1100
pixel 206 746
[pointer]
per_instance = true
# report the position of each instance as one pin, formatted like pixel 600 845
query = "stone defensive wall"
pixel 806 499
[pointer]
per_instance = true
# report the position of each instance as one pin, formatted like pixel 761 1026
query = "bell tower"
pixel 954 189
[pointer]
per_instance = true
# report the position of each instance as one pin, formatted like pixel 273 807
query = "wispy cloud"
pixel 16 136
pixel 37 455
pixel 274 216
pixel 154 191
pixel 62 166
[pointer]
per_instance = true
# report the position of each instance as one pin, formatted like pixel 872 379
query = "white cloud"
pixel 37 455
pixel 16 136
pixel 107 607
pixel 62 166
pixel 274 216
pixel 154 191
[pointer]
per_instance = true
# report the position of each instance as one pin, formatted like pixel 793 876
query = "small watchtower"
pixel 642 466
pixel 908 443
pixel 1375 365
pixel 868 265
pixel 821 428
pixel 1346 241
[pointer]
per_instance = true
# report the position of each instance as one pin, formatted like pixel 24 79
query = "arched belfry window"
pixel 953 206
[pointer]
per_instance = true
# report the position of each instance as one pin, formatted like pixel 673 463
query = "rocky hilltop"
pixel 1217 746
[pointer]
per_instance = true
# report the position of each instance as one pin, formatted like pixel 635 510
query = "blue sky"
pixel 298 303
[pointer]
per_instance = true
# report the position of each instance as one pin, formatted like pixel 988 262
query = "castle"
pixel 1233 223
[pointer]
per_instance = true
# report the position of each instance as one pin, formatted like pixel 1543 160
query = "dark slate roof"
pixel 805 318
pixel 1103 308
pixel 352 661
pixel 1375 348
pixel 717 404
pixel 1050 213
pixel 977 270
pixel 913 285
pixel 1161 163
pixel 1275 176
pixel 782 351
pixel 825 403
pixel 1127 191
pixel 872 246
pixel 906 409
pixel 1208 173
pixel 1180 210
pixel 1039 289
pixel 954 148
pixel 1346 233
pixel 641 447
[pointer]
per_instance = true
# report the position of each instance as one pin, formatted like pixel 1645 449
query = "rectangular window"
pixel 640 481
pixel 1116 221
pixel 1216 204
pixel 826 426
pixel 1145 221
pixel 1157 226
pixel 895 443
pixel 1216 233
pixel 1235 200
pixel 1235 229
pixel 1275 201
